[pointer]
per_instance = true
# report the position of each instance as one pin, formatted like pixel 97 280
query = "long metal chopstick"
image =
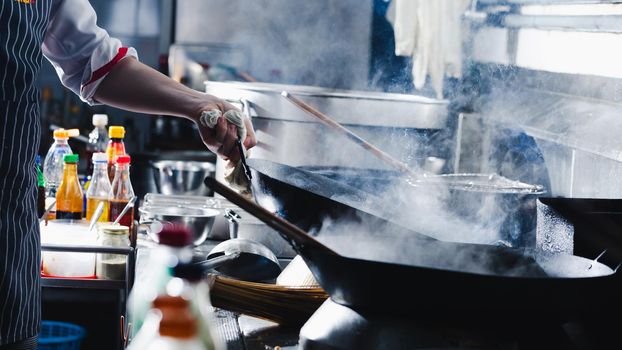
pixel 247 170
pixel 352 136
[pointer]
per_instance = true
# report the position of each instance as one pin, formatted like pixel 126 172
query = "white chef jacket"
pixel 81 52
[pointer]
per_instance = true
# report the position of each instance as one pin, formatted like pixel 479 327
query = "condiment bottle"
pixel 189 282
pixel 178 327
pixel 69 200
pixel 112 266
pixel 99 189
pixel 98 140
pixel 115 148
pixel 122 192
pixel 53 163
pixel 174 246
pixel 40 187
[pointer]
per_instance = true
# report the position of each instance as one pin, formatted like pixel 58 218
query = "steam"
pixel 382 242
pixel 312 42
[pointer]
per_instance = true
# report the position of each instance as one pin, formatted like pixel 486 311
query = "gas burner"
pixel 334 326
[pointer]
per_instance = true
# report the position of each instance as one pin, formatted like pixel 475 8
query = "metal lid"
pixel 112 229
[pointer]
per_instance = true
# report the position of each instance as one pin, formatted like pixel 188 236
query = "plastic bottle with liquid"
pixel 177 328
pixel 174 247
pixel 53 164
pixel 115 148
pixel 122 192
pixel 99 189
pixel 98 140
pixel 189 283
pixel 69 197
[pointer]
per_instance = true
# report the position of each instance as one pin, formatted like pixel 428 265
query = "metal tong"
pixel 247 170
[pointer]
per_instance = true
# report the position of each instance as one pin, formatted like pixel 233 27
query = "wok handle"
pixel 292 233
pixel 352 136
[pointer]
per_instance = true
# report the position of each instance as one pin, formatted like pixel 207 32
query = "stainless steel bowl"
pixel 174 177
pixel 199 220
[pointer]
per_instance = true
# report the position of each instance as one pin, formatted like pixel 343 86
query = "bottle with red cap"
pixel 174 247
pixel 122 192
pixel 176 329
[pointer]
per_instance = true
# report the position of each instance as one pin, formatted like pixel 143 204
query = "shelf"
pixel 51 282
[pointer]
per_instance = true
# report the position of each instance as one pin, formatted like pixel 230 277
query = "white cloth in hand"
pixel 234 175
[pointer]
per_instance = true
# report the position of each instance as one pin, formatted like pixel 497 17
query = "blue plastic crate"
pixel 56 335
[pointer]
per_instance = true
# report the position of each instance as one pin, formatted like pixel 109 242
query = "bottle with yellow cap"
pixel 53 164
pixel 116 147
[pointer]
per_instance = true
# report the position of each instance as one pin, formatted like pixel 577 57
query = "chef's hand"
pixel 223 137
pixel 134 86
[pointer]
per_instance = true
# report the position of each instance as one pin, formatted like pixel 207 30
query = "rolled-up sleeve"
pixel 81 52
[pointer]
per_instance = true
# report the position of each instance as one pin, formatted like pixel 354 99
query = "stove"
pixel 335 326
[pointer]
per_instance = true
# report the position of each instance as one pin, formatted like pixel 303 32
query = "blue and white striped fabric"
pixel 66 32
pixel 22 28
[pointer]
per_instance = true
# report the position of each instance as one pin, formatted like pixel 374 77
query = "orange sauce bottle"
pixel 69 198
pixel 115 148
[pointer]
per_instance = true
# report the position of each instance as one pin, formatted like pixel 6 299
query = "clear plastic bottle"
pixel 69 197
pixel 98 140
pixel 115 147
pixel 189 283
pixel 99 189
pixel 122 192
pixel 175 246
pixel 53 164
pixel 178 329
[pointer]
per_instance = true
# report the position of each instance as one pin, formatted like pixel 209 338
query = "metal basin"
pixel 182 177
pixel 199 220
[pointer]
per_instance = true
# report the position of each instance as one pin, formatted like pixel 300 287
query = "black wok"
pixel 307 195
pixel 511 282
pixel 307 199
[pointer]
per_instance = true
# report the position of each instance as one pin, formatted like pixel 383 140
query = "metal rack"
pixel 66 290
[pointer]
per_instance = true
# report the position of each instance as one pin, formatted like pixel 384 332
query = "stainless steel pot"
pixel 182 177
pixel 398 124
pixel 199 220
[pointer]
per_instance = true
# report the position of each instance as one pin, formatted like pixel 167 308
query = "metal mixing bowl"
pixel 199 220
pixel 174 177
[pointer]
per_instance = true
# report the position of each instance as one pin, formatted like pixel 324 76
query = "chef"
pixel 100 70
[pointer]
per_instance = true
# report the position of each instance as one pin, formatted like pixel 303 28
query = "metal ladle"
pixel 255 262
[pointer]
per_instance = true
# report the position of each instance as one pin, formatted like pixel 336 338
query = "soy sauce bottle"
pixel 69 197
pixel 122 192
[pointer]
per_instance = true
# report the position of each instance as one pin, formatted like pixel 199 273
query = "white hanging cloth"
pixel 430 31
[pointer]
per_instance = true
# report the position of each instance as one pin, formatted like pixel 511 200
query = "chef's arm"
pixel 134 86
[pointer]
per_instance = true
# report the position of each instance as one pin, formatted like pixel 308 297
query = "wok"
pixel 511 282
pixel 308 199
pixel 307 195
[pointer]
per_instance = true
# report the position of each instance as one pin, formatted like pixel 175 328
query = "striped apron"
pixel 22 28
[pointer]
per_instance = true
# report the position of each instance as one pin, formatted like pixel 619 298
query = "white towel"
pixel 431 32
pixel 234 175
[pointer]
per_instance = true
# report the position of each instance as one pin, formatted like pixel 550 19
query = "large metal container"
pixel 173 177
pixel 405 126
